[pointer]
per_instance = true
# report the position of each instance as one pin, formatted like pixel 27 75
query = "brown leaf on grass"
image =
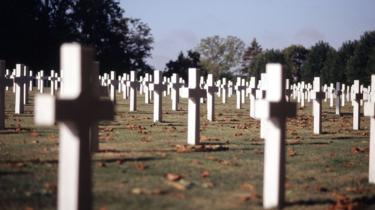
pixel 181 184
pixel 248 187
pixel 294 142
pixel 50 187
pixel 101 164
pixel 34 133
pixel 249 197
pixel 356 150
pixel 343 202
pixel 205 174
pixel 238 134
pixel 291 152
pixel 18 128
pixel 140 166
pixel 183 148
pixel 144 191
pixel 357 190
pixel 172 177
pixel 35 142
pixel 208 184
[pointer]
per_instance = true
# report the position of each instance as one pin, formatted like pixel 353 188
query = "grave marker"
pixel 317 95
pixel 74 110
pixel 158 87
pixel 193 92
pixel 211 90
pixel 357 97
pixel 369 111
pixel 275 111
pixel 176 85
pixel 133 84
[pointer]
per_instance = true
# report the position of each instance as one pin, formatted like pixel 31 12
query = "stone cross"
pixel 4 81
pixel 288 91
pixel 317 96
pixel 19 80
pixel 193 92
pixel 112 86
pixel 146 81
pixel 275 111
pixel 261 95
pixel 239 87
pixel 52 78
pixel 302 93
pixel 357 97
pixel 74 110
pixel 124 88
pixel 253 88
pixel 158 87
pixel 175 95
pixel 133 84
pixel 26 85
pixel 224 90
pixel 369 111
pixel 331 94
pixel 243 91
pixel 211 90
pixel 338 94
pixel 230 88
pixel 343 98
pixel 41 81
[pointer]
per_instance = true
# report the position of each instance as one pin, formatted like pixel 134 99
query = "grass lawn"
pixel 143 165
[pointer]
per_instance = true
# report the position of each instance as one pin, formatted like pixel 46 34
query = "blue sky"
pixel 179 25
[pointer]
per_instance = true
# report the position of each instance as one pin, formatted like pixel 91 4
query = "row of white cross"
pixel 79 106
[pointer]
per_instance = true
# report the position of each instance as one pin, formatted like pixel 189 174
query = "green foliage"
pixel 248 57
pixel 361 64
pixel 182 64
pixel 316 60
pixel 220 56
pixel 35 30
pixel 259 62
pixel 295 56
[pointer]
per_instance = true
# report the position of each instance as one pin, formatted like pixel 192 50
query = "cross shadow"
pixel 13 173
pixel 138 159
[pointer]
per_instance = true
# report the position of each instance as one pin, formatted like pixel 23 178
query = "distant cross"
pixel 158 87
pixel 19 81
pixel 275 111
pixel 193 92
pixel 357 97
pixel 76 108
pixel 331 94
pixel 317 95
pixel 112 86
pixel 26 85
pixel 338 94
pixel 303 91
pixel 239 87
pixel 53 79
pixel 343 95
pixel 253 90
pixel 224 90
pixel 243 91
pixel 133 84
pixel 211 90
pixel 288 91
pixel 146 81
pixel 260 96
pixel 369 111
pixel 175 95
pixel 4 81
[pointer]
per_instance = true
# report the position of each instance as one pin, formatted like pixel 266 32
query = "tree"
pixel 182 64
pixel 360 65
pixel 258 65
pixel 345 52
pixel 295 56
pixel 315 62
pixel 35 30
pixel 220 56
pixel 248 57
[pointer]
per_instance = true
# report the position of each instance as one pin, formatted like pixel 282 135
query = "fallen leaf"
pixel 291 152
pixel 172 177
pixel 205 174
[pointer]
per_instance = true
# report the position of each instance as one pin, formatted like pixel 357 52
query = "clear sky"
pixel 179 25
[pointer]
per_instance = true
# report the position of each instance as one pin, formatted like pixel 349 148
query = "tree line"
pixel 229 57
pixel 33 30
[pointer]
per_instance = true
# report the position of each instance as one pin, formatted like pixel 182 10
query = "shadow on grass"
pixel 13 173
pixel 365 200
pixel 127 159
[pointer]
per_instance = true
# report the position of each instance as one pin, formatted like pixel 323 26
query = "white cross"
pixel 224 87
pixel 133 84
pixel 338 98
pixel 261 95
pixel 357 97
pixel 317 95
pixel 146 81
pixel 253 88
pixel 158 87
pixel 19 81
pixel 211 90
pixel 112 81
pixel 343 95
pixel 275 111
pixel 193 92
pixel 53 79
pixel 239 91
pixel 175 95
pixel 369 111
pixel 75 110
pixel 288 91
pixel 4 81
pixel 331 94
